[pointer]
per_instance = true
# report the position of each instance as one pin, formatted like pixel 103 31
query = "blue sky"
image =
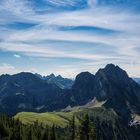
pixel 69 36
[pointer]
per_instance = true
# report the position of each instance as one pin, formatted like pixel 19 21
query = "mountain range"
pixel 61 82
pixel 29 92
pixel 111 98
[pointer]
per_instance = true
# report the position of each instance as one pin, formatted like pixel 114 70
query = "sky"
pixel 69 36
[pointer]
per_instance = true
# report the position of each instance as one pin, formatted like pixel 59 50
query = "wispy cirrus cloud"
pixel 62 2
pixel 7 68
pixel 68 29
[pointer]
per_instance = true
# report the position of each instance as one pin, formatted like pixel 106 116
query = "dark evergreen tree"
pixel 3 131
pixel 53 135
pixel 72 128
pixel 29 135
pixel 92 131
pixel 84 128
pixel 45 135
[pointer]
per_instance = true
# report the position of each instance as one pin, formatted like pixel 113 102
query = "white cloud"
pixel 7 69
pixel 17 56
pixel 123 43
pixel 62 2
pixel 16 7
pixel 49 51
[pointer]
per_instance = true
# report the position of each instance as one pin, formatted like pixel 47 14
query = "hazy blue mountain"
pixel 137 80
pixel 63 83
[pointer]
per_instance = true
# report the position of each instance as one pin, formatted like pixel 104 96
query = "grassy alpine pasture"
pixel 60 119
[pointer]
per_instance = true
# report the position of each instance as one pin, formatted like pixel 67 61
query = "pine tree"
pixel 53 135
pixel 92 132
pixel 29 136
pixel 84 128
pixel 45 135
pixel 3 131
pixel 72 128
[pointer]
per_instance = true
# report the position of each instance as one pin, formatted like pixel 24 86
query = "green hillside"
pixel 49 118
pixel 58 118
pixel 62 118
pixel 107 123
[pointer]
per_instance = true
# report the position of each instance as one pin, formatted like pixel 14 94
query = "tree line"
pixel 13 129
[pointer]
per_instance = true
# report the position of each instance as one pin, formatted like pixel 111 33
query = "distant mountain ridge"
pixel 110 86
pixel 63 83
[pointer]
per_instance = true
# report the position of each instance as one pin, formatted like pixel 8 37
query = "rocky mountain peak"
pixel 83 79
pixel 113 73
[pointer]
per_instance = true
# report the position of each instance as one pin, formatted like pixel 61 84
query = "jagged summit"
pixel 111 69
pixel 51 75
pixel 113 73
pixel 61 82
